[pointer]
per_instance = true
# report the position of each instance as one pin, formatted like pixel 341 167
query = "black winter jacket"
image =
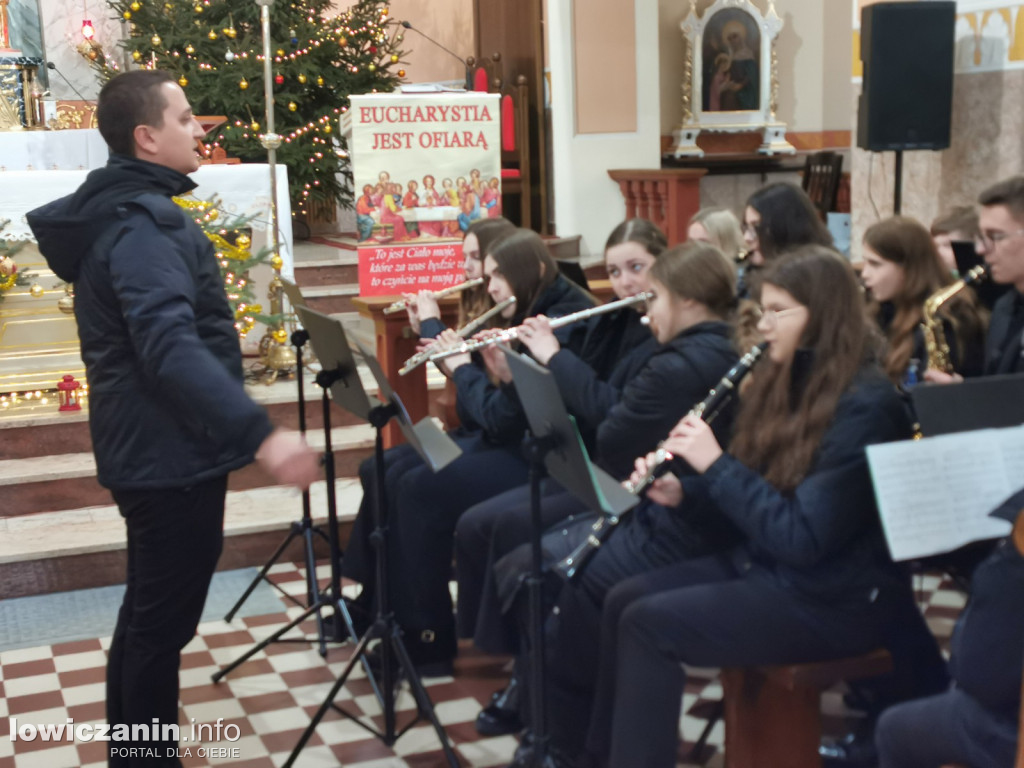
pixel 824 539
pixel 988 643
pixel 674 379
pixel 496 409
pixel 592 371
pixel 166 403
pixel 1004 352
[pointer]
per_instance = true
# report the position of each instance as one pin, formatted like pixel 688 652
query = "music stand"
pixel 554 445
pixel 304 528
pixel 989 401
pixel 339 375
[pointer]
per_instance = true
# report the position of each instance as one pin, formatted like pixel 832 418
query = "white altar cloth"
pixel 68 150
pixel 243 190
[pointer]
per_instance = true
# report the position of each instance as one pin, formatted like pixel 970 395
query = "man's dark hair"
pixel 129 100
pixel 1008 192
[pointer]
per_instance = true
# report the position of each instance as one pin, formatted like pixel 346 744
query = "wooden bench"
pixel 773 714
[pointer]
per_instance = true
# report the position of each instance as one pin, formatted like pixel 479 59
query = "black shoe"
pixel 525 756
pixel 855 750
pixel 424 667
pixel 501 716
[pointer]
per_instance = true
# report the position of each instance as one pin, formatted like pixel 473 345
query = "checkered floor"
pixel 272 697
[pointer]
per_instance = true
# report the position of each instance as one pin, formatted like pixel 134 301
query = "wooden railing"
pixel 668 197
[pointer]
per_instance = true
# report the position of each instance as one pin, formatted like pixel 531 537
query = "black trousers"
pixel 949 728
pixel 647 544
pixel 423 509
pixel 174 541
pixel 486 533
pixel 696 613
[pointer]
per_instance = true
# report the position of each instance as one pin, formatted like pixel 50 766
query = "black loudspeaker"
pixel 907 96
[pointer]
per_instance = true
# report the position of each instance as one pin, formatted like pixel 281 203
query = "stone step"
pixel 332 299
pixel 52 483
pixel 85 547
pixel 325 274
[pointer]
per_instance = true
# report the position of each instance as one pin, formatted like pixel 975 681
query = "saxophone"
pixel 935 343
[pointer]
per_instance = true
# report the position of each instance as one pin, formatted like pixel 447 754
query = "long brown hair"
pixel 905 241
pixel 475 301
pixel 787 408
pixel 525 262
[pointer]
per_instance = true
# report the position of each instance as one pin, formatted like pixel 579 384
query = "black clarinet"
pixel 708 410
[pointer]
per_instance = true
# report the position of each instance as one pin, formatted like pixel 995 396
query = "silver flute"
pixel 403 304
pixel 468 329
pixel 510 334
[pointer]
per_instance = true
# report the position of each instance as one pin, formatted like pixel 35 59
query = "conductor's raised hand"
pixel 537 336
pixel 286 457
pixel 693 441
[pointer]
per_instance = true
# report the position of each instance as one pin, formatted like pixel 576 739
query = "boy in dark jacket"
pixel 168 414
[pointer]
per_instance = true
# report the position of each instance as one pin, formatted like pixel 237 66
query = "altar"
pixel 37 340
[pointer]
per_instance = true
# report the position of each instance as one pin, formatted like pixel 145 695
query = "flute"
pixel 469 328
pixel 510 334
pixel 402 304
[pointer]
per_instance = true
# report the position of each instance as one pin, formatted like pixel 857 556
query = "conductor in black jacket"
pixel 168 414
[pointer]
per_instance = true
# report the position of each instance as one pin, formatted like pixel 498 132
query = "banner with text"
pixel 425 167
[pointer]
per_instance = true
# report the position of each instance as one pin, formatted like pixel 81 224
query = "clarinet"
pixel 708 410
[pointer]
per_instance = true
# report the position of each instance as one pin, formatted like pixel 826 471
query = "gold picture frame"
pixel 730 77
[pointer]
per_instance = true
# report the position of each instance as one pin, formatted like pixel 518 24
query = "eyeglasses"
pixel 750 229
pixel 771 316
pixel 991 239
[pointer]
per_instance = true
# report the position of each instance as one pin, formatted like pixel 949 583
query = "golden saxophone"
pixel 707 409
pixel 510 334
pixel 468 329
pixel 402 304
pixel 935 343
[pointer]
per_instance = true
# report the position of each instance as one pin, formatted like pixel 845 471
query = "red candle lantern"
pixel 67 390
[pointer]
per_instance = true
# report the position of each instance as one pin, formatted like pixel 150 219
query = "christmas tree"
pixel 215 47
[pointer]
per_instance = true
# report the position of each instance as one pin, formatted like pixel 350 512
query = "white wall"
pixel 587 201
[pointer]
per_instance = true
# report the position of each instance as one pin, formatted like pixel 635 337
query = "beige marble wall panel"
pixel 986 145
pixel 604 32
pixel 450 22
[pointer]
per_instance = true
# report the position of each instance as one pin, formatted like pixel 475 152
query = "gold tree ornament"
pixel 136 6
pixel 182 81
pixel 243 83
pixel 190 49
pixel 36 290
pixel 66 303
pixel 156 41
pixel 302 78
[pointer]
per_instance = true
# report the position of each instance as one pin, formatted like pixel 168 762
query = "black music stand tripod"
pixel 554 447
pixel 438 450
pixel 328 630
pixel 339 377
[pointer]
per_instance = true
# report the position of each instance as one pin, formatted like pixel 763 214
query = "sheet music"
pixel 934 495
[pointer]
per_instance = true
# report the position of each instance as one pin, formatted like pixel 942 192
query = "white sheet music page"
pixel 934 495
